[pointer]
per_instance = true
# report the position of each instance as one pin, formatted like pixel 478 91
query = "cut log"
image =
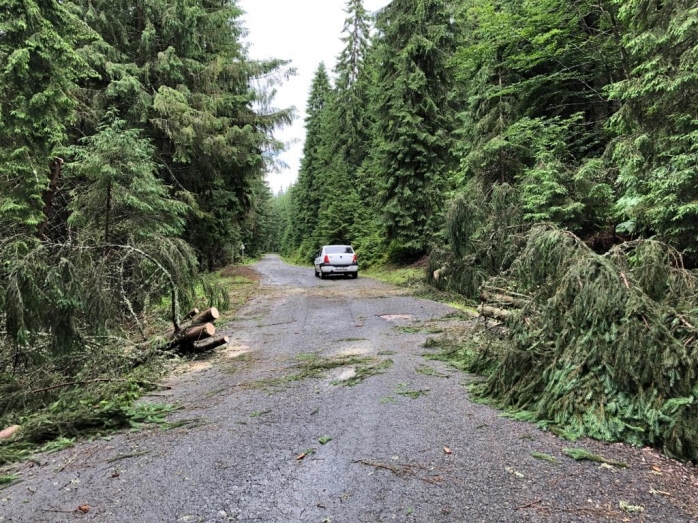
pixel 199 332
pixel 189 315
pixel 190 335
pixel 493 312
pixel 208 316
pixel 490 297
pixel 211 344
pixel 9 432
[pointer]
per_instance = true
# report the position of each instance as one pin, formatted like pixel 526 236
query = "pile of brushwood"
pixel 585 344
pixel 84 332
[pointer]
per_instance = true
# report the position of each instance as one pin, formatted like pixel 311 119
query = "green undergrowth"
pixel 414 279
pixel 606 347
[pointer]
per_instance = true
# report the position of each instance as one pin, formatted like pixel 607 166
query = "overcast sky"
pixel 306 32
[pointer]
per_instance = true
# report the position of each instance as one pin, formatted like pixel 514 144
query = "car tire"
pixel 355 275
pixel 322 275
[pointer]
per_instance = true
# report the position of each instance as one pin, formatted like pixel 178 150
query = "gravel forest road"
pixel 253 443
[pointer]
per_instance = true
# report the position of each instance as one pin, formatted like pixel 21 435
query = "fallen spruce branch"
pixel 99 380
pixel 585 455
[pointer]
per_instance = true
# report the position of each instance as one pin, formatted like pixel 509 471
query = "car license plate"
pixel 340 269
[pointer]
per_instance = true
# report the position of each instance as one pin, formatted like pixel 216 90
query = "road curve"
pixel 406 444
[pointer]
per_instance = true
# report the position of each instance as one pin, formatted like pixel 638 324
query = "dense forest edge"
pixel 134 141
pixel 541 156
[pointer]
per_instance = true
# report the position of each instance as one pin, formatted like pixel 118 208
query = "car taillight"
pixel 327 259
pixel 354 260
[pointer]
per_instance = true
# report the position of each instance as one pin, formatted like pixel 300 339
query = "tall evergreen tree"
pixel 117 197
pixel 343 216
pixel 180 71
pixel 306 196
pixel 657 150
pixel 41 66
pixel 413 126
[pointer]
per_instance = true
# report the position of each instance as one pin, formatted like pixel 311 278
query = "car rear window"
pixel 341 249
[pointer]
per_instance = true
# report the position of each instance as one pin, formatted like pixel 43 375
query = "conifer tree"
pixel 41 65
pixel 178 69
pixel 306 195
pixel 657 150
pixel 412 132
pixel 343 215
pixel 118 197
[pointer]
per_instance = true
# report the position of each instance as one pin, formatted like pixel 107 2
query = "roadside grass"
pixel 420 329
pixel 413 279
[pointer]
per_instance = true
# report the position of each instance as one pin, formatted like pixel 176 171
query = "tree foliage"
pixel 134 139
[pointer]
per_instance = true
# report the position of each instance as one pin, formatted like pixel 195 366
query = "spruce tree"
pixel 178 70
pixel 307 193
pixel 41 66
pixel 117 197
pixel 657 150
pixel 343 215
pixel 412 132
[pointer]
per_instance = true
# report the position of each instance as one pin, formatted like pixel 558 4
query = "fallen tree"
pixel 599 345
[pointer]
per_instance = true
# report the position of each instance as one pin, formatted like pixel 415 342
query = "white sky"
pixel 306 32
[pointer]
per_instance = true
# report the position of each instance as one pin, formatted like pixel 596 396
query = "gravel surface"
pixel 406 445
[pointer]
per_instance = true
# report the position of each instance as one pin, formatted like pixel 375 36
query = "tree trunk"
pixel 489 297
pixel 49 194
pixel 209 315
pixel 106 214
pixel 493 312
pixel 211 344
pixel 189 315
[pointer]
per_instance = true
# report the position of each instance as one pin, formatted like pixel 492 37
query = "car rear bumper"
pixel 338 269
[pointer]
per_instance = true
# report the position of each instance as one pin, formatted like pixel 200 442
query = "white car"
pixel 336 259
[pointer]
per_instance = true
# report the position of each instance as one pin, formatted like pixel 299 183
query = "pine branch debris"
pixel 597 345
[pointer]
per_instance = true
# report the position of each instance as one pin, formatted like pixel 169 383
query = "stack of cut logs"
pixel 196 333
pixel 498 303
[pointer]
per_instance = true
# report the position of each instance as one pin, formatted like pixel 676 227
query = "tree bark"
pixel 49 194
pixel 195 333
pixel 209 315
pixel 489 297
pixel 189 315
pixel 211 344
pixel 493 312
